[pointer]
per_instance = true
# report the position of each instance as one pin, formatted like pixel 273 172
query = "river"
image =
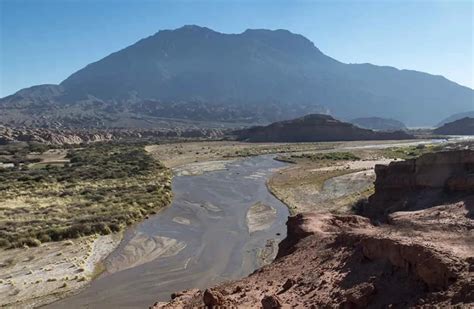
pixel 201 239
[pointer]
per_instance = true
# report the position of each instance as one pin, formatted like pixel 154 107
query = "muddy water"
pixel 200 240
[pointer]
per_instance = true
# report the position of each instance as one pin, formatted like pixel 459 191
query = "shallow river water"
pixel 198 241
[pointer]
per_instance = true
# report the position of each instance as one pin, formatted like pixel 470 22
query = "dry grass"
pixel 102 189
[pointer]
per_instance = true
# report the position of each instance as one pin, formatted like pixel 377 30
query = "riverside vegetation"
pixel 101 188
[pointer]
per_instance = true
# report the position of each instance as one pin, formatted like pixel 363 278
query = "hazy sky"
pixel 44 41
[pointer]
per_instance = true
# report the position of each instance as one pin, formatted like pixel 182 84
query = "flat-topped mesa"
pixel 420 183
pixel 314 128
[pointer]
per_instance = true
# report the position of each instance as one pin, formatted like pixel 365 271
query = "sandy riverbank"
pixel 30 277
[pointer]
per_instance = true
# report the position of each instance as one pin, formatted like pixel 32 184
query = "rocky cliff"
pixel 422 258
pixel 314 128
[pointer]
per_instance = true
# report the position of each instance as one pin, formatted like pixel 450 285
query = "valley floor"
pixel 38 275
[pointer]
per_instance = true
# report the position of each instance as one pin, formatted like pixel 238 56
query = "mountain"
pixel 378 124
pixel 314 128
pixel 464 126
pixel 257 76
pixel 456 117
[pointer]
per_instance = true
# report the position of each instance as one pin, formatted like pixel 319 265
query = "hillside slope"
pixel 456 117
pixel 463 126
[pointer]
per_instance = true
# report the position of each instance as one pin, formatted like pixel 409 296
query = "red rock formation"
pixel 420 183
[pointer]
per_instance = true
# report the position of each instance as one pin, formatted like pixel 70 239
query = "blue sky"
pixel 44 41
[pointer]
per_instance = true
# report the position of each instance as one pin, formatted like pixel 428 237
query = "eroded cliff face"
pixel 420 183
pixel 331 260
pixel 416 258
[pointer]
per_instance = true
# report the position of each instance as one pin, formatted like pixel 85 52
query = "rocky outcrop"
pixel 344 261
pixel 420 183
pixel 463 126
pixel 314 128
pixel 78 136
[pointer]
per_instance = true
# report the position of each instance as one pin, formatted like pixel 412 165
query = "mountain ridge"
pixel 257 76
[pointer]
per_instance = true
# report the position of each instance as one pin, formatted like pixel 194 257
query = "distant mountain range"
pixel 257 76
pixel 379 124
pixel 463 126
pixel 456 117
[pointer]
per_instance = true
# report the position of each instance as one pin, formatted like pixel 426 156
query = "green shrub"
pixel 4 243
pixel 30 242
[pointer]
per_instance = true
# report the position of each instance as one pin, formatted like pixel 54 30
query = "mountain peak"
pixel 187 30
pixel 194 28
pixel 282 39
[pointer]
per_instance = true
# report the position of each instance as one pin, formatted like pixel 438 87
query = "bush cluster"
pixel 331 156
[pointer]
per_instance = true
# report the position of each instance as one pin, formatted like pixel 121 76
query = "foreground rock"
pixel 330 260
pixel 315 128
pixel 417 258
